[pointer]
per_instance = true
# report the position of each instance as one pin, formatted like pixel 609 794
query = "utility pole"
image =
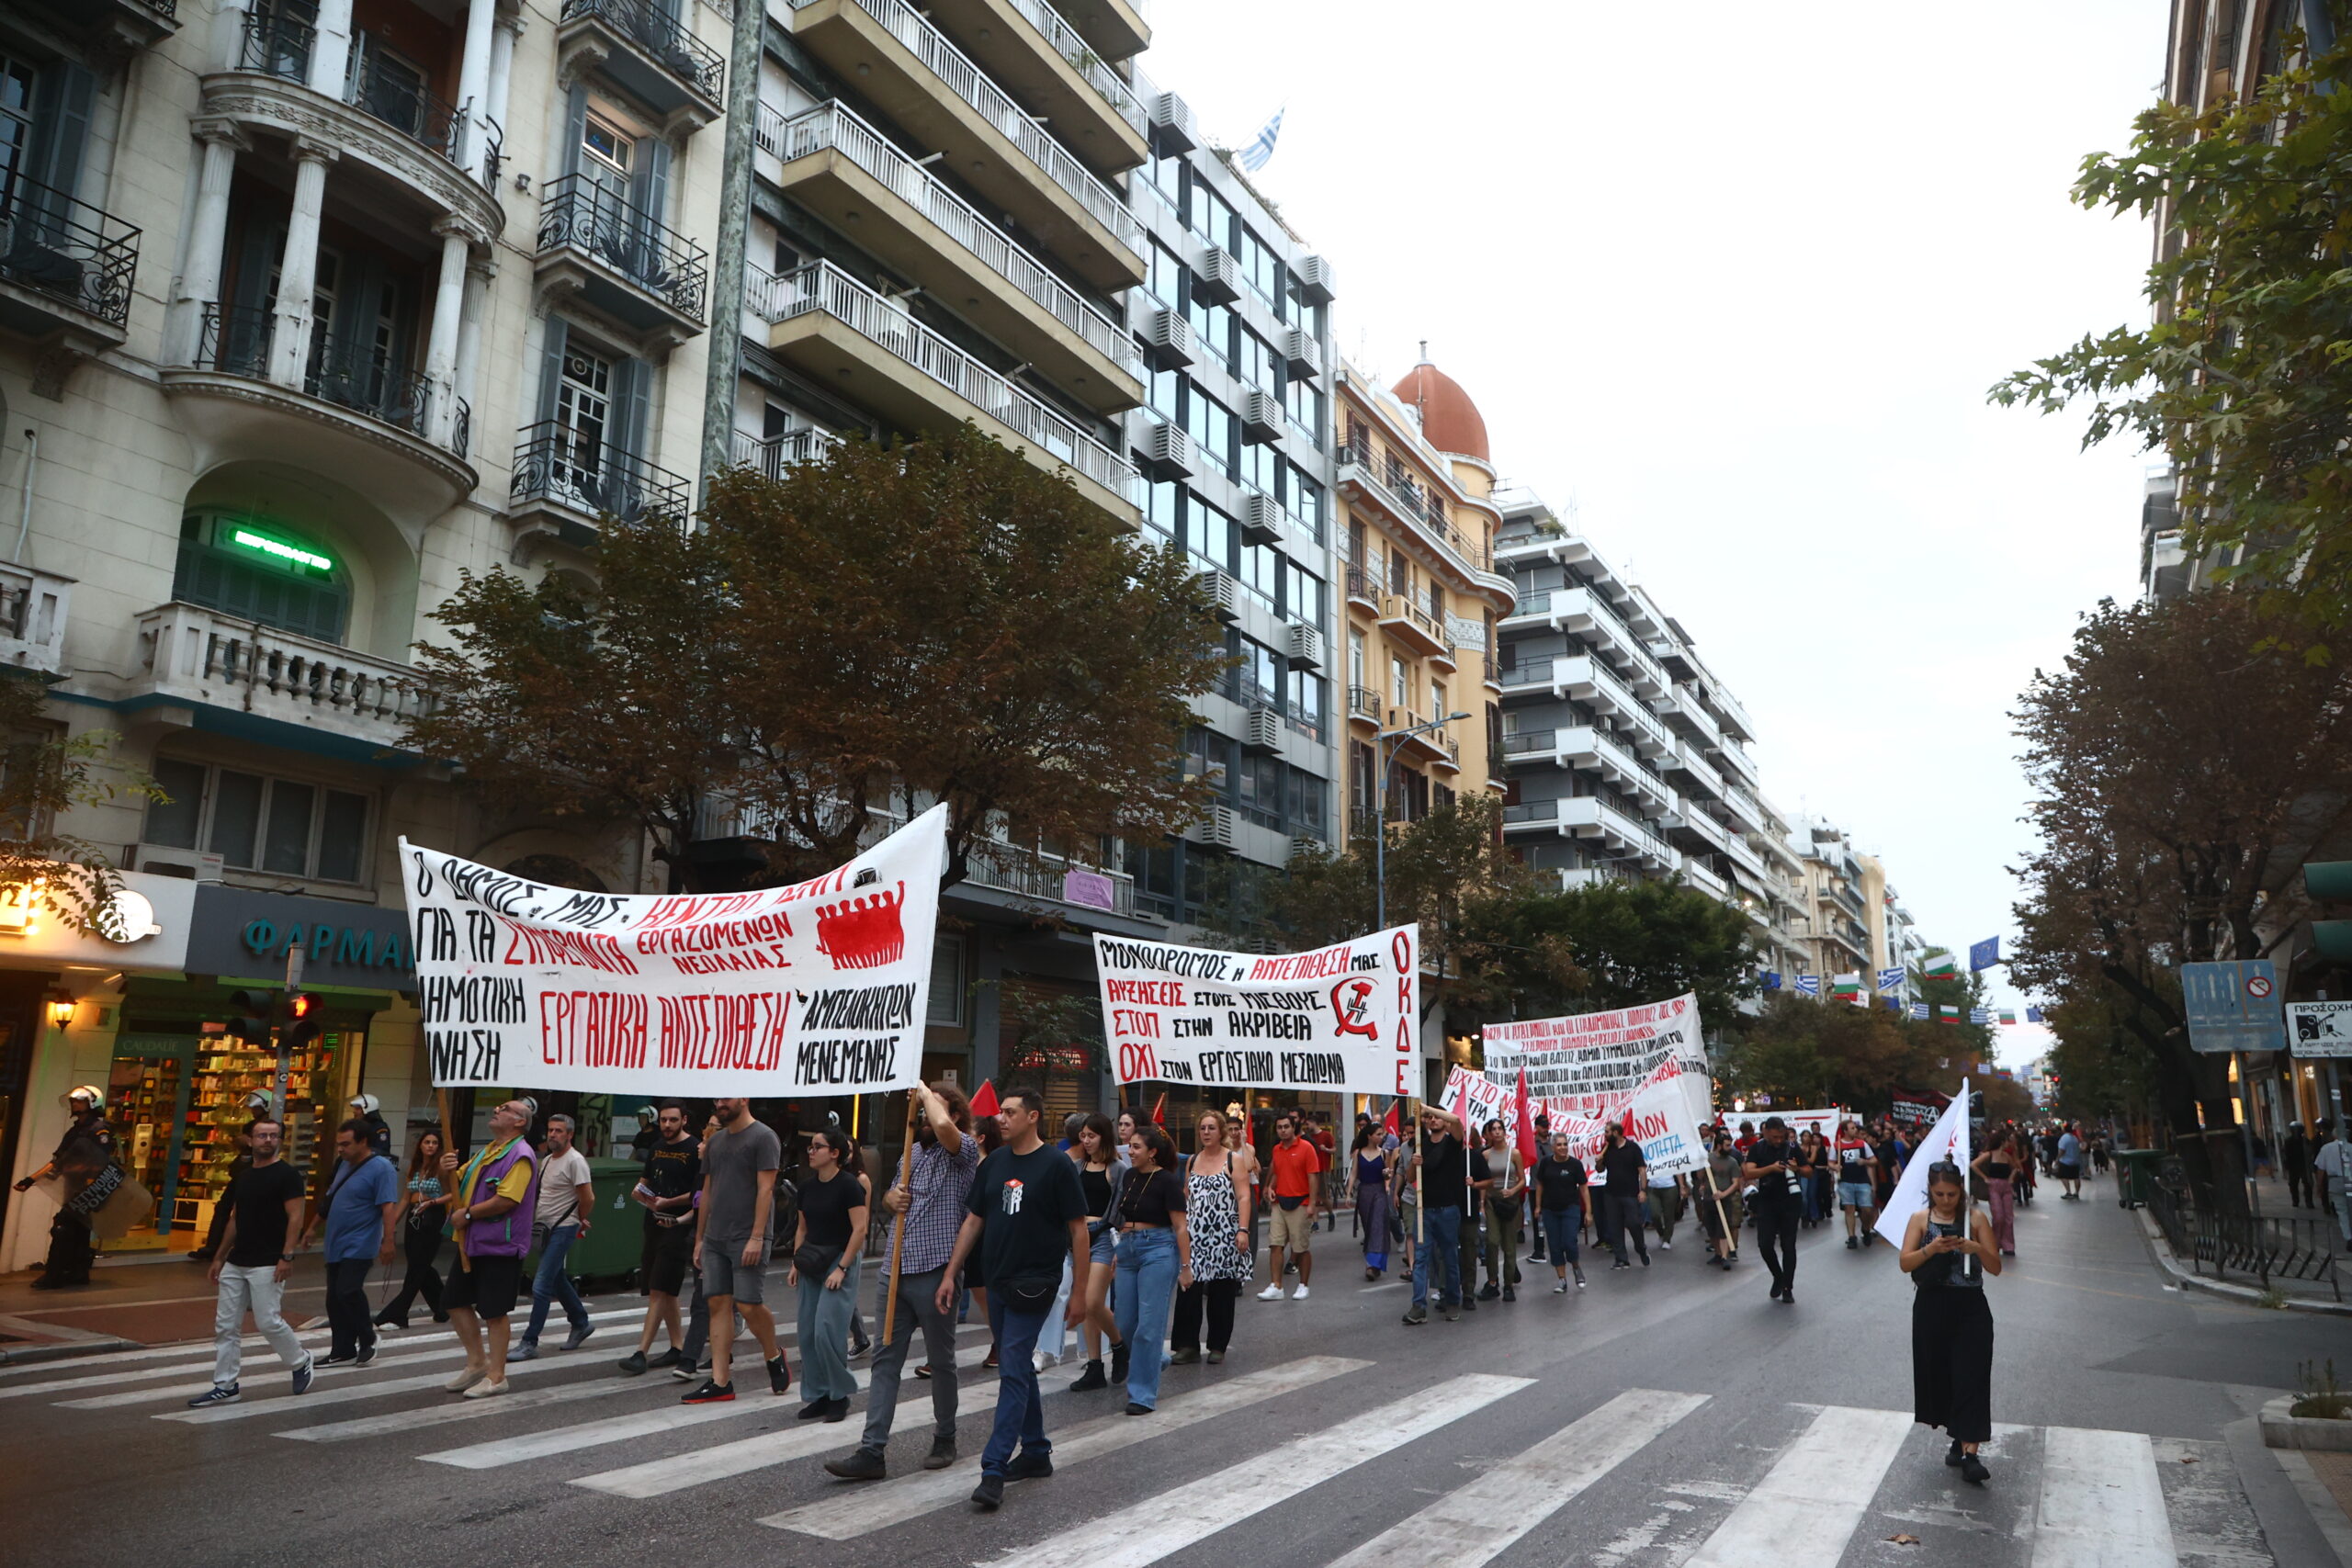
pixel 734 213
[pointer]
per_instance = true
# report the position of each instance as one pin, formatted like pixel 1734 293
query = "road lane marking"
pixel 1816 1493
pixel 2101 1505
pixel 425 1416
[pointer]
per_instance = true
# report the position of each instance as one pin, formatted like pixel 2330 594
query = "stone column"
pixel 502 64
pixel 207 236
pixel 477 275
pixel 473 82
pixel 298 268
pixel 441 344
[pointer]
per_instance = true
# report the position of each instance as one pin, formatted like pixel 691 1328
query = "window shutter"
pixel 575 126
pixel 62 120
pixel 632 401
pixel 551 367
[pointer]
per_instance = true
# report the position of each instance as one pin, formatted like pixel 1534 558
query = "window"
pixel 946 1003
pixel 1260 469
pixel 1261 672
pixel 1258 790
pixel 1163 280
pixel 607 156
pixel 254 823
pixel 1253 362
pixel 259 570
pixel 1208 534
pixel 1167 396
pixel 1213 326
pixel 1212 216
pixel 1355 657
pixel 1306 405
pixel 1302 593
pixel 1261 268
pixel 1361 783
pixel 1437 708
pixel 584 409
pixel 1212 428
pixel 1306 702
pixel 1400 682
pixel 1307 795
pixel 1304 497
pixel 1162 507
pixel 1261 573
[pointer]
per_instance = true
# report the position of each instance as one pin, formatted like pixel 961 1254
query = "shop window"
pixel 257 570
pixel 253 823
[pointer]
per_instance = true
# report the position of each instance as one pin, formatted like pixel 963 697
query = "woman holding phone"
pixel 1948 1250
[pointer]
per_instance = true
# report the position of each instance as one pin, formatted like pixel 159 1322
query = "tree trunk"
pixel 2193 1092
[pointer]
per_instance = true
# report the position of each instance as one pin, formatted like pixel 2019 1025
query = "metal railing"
pixel 662 35
pixel 1396 488
pixel 2267 1249
pixel 67 249
pixel 553 464
pixel 278 44
pixel 381 94
pixel 1361 587
pixel 236 339
pixel 972 85
pixel 833 125
pixel 1089 65
pixel 777 452
pixel 1363 703
pixel 822 286
pixel 601 225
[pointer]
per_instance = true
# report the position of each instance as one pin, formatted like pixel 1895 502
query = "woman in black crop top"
pixel 1155 1257
pixel 1096 1155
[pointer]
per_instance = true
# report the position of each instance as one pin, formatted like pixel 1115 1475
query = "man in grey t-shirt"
pixel 731 1241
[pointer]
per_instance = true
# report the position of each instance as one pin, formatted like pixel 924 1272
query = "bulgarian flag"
pixel 2008 1015
pixel 1949 1015
pixel 1944 968
pixel 1847 987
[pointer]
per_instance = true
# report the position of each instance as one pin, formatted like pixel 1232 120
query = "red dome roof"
pixel 1448 419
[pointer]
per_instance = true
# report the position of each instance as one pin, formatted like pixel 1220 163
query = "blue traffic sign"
pixel 2233 1006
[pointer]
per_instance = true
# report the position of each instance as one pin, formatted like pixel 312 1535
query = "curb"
pixel 28 1355
pixel 2154 1235
pixel 2309 1433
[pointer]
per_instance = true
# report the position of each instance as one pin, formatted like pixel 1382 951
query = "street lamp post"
pixel 1390 740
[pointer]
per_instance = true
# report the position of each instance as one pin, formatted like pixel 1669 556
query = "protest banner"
pixel 1344 1017
pixel 1645 1064
pixel 1826 1122
pixel 818 989
pixel 1917 1110
pixel 1475 1099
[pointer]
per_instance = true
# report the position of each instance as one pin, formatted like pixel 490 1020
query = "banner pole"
pixel 441 1108
pixel 899 1235
pixel 1420 1214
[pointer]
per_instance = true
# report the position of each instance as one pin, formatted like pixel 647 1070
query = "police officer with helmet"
pixel 83 1157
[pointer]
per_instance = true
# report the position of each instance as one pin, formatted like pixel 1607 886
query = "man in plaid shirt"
pixel 931 1211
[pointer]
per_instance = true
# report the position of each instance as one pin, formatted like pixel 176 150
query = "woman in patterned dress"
pixel 1216 1197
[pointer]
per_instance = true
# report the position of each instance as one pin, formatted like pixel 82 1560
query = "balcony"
pixel 1382 481
pixel 1734 718
pixel 933 92
pixel 778 453
pixel 1492 670
pixel 1705 877
pixel 1364 706
pixel 120 24
pixel 367 421
pixel 645 49
pixel 1693 821
pixel 1583 746
pixel 1573 878
pixel 1028 46
pixel 1741 804
pixel 1685 760
pixel 65 273
pixel 1588 613
pixel 1745 858
pixel 33 606
pixel 827 326
pixel 1115 28
pixel 564 489
pixel 1589 817
pixel 1362 592
pixel 1050 878
pixel 191 655
pixel 383 122
pixel 835 163
pixel 621 261
pixel 1735 763
pixel 1409 626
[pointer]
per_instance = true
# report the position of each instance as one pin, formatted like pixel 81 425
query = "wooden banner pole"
pixel 441 1108
pixel 899 1235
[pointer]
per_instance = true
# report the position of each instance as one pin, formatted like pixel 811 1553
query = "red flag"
pixel 1157 1107
pixel 984 1101
pixel 1526 1129
pixel 1390 1124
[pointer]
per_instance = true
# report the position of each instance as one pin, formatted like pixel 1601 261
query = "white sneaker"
pixel 1300 1295
pixel 1044 1360
pixel 466 1379
pixel 1270 1293
pixel 486 1389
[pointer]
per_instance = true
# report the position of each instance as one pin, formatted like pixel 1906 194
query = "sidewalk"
pixel 2270 1198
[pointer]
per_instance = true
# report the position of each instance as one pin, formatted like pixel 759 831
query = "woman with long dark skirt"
pixel 422 1214
pixel 1948 1250
pixel 1372 1166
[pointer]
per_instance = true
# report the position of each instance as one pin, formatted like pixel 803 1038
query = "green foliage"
pixel 2243 379
pixel 1820 1052
pixel 878 630
pixel 1632 942
pixel 44 772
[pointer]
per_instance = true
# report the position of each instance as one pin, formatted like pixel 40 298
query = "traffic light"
pixel 305 1020
pixel 1977 1104
pixel 249 1016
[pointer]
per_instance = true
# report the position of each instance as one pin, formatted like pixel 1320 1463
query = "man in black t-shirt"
pixel 1623 1176
pixel 1026 1214
pixel 1441 1165
pixel 265 1202
pixel 666 1193
pixel 1780 1171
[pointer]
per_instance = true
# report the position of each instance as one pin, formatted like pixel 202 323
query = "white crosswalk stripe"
pixel 2101 1505
pixel 863 1511
pixel 1816 1492
pixel 1181 1516
pixel 425 1416
pixel 623 1429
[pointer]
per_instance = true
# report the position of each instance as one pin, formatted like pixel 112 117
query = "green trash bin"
pixel 615 1237
pixel 2135 1175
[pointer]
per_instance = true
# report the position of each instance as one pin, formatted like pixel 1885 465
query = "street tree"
pixel 2243 377
pixel 868 634
pixel 44 772
pixel 2179 761
pixel 1632 942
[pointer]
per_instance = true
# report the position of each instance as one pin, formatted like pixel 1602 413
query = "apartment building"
pixel 306 307
pixel 1782 907
pixel 1628 755
pixel 1835 883
pixel 1415 532
pixel 980 212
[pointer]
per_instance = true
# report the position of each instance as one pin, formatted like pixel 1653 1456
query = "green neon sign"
pixel 294 555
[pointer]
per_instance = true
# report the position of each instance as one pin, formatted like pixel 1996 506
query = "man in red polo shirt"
pixel 1296 1177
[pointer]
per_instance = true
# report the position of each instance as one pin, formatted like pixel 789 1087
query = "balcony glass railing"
pixel 662 35
pixel 235 340
pixel 556 463
pixel 67 249
pixel 972 85
pixel 834 126
pixel 580 214
pixel 822 286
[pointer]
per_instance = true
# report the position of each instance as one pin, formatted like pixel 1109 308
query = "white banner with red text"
pixel 1478 1099
pixel 817 988
pixel 1645 1064
pixel 1344 1017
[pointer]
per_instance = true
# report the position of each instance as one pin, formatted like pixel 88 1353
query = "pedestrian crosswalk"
pixel 1636 1477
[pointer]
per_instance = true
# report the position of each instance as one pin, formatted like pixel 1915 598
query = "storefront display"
pixel 147 1090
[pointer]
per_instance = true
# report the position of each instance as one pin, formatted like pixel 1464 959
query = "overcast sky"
pixel 1733 279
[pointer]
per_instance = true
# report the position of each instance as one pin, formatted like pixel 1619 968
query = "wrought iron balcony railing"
pixel 554 463
pixel 67 248
pixel 602 224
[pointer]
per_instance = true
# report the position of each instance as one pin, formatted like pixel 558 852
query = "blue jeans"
pixel 552 1284
pixel 1020 1412
pixel 1140 1292
pixel 824 1336
pixel 1441 1236
pixel 1562 1229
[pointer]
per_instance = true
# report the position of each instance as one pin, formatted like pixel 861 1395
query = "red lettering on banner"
pixel 1405 1035
pixel 1400 953
pixel 1127 1022
pixel 592 1029
pixel 1136 1061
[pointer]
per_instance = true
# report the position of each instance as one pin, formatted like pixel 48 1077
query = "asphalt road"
pixel 1663 1416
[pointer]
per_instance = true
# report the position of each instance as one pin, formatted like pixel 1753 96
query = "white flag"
pixel 1946 1140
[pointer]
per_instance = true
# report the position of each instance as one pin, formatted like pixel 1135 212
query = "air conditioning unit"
pixel 1262 416
pixel 1217 828
pixel 1163 450
pixel 1223 594
pixel 161 860
pixel 1168 337
pixel 1217 277
pixel 1262 519
pixel 1171 124
pixel 1262 730
pixel 1302 353
pixel 1315 279
pixel 1306 648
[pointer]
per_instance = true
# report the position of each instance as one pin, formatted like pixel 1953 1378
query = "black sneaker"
pixel 1510 1292
pixel 1853 1244
pixel 837 1409
pixel 943 1453
pixel 219 1395
pixel 367 1355
pixel 779 1375
pixel 1973 1471
pixel 669 1357
pixel 862 1349
pixel 634 1363
pixel 1953 1455
pixel 687 1372
pixel 1492 1292
pixel 1090 1379
pixel 709 1393
pixel 1029 1467
pixel 813 1409
pixel 864 1464
pixel 1469 1303
pixel 302 1375
pixel 990 1494
pixel 331 1360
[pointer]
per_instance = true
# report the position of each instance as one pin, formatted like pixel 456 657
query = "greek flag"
pixel 1919 1010
pixel 1255 156
pixel 1890 979
pixel 1808 985
pixel 1979 1015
